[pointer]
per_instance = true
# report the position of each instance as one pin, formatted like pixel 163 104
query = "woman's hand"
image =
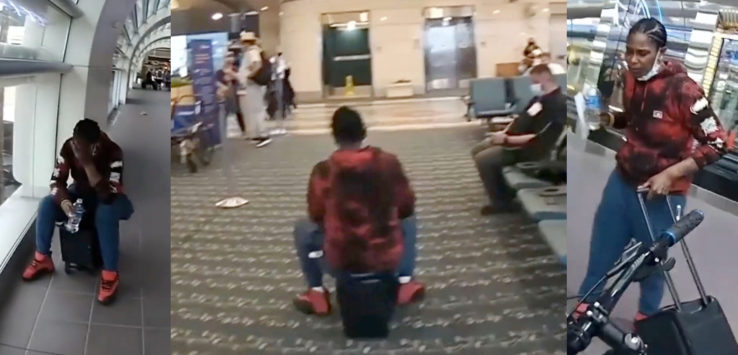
pixel 660 184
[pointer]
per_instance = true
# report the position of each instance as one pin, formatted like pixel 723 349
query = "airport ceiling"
pixel 231 5
pixel 194 16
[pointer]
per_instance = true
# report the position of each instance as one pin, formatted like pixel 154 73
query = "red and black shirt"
pixel 667 119
pixel 359 197
pixel 108 159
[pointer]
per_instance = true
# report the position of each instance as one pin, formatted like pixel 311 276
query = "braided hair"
pixel 652 28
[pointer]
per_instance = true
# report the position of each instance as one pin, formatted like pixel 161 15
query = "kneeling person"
pixel 96 164
pixel 361 215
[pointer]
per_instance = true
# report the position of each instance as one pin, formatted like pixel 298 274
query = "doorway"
pixel 450 51
pixel 347 60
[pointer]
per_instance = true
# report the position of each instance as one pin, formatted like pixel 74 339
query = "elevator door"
pixel 450 54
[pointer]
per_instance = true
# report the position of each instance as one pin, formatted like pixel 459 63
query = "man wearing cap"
pixel 251 94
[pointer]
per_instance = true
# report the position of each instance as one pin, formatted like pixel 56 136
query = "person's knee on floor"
pixel 339 182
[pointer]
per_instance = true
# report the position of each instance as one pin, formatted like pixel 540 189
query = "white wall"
pixel 557 32
pixel 397 43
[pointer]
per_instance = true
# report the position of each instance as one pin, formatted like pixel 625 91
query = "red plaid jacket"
pixel 667 119
pixel 359 197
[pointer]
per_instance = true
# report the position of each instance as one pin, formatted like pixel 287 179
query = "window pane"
pixel 152 8
pixel 34 31
pixel 7 101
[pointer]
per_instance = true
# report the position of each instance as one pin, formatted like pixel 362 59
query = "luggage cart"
pixel 190 133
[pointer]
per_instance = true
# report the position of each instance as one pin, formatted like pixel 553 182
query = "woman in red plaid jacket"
pixel 671 133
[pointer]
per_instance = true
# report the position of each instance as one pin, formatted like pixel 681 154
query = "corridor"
pixel 59 314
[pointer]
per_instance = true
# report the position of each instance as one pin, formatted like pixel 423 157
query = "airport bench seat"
pixel 488 98
pixel 554 233
pixel 544 202
pixel 518 180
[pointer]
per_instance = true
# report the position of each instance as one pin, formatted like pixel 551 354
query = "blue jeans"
pixel 309 238
pixel 107 217
pixel 619 219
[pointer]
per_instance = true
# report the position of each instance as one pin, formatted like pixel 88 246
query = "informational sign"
pixel 203 85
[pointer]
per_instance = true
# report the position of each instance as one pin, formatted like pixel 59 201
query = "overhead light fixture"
pixel 252 13
pixel 545 10
pixel 351 26
pixel 265 8
pixel 281 13
pixel 364 17
pixel 384 18
pixel 496 12
pixel 217 16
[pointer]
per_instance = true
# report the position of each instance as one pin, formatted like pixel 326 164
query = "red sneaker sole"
pixel 37 275
pixel 108 300
pixel 417 297
pixel 306 308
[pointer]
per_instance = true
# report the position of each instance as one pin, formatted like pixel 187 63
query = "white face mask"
pixel 655 69
pixel 536 89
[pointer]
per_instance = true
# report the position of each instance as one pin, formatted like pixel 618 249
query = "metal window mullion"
pixel 135 19
pixel 145 9
pixel 126 34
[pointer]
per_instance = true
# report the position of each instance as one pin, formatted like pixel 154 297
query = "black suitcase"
pixel 696 327
pixel 367 302
pixel 81 250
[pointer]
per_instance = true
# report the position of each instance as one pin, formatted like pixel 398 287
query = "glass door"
pixel 724 89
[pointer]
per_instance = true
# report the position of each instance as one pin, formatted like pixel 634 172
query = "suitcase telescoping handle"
pixel 685 249
pixel 688 255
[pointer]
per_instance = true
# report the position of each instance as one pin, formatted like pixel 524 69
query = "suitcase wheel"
pixel 67 268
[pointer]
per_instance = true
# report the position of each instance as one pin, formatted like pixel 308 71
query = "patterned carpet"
pixel 493 286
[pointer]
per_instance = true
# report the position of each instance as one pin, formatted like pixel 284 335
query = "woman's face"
pixel 640 54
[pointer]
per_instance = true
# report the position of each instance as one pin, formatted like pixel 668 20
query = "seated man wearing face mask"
pixel 531 136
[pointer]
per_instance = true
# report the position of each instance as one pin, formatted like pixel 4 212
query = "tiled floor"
pixel 59 314
pixel 494 286
pixel 712 244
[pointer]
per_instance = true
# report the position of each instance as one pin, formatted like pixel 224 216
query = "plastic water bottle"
pixel 74 221
pixel 593 107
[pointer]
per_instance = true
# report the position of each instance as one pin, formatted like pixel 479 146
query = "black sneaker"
pixel 499 209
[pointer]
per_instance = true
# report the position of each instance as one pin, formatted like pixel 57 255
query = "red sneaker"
pixel 580 311
pixel 314 302
pixel 640 316
pixel 41 264
pixel 108 287
pixel 410 292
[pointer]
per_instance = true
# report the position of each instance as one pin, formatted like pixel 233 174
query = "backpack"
pixel 264 76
